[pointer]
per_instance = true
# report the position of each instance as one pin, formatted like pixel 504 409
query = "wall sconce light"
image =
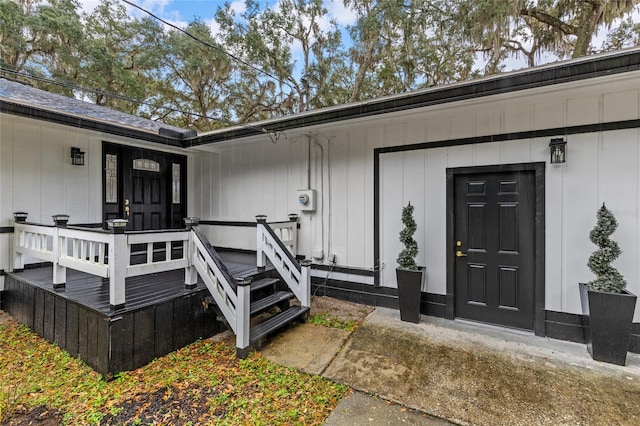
pixel 77 157
pixel 558 150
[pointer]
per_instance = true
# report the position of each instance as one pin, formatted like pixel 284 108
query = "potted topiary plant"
pixel 606 306
pixel 408 274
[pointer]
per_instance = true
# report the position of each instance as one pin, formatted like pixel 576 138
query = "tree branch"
pixel 549 20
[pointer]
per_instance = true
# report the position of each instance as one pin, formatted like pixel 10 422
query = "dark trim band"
pixel 6 229
pixel 344 270
pixel 229 223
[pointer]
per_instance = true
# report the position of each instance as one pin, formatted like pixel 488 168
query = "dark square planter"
pixel 607 319
pixel 409 291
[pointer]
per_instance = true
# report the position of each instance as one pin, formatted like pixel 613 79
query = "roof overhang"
pixel 531 78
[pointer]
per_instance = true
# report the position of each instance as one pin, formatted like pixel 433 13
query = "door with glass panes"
pixel 146 187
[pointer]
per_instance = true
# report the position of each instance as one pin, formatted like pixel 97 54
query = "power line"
pixel 126 98
pixel 206 43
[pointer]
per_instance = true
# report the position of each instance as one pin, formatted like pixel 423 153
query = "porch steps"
pixel 271 309
pixel 280 299
pixel 284 318
pixel 263 283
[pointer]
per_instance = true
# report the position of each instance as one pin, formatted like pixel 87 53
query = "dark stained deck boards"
pixel 160 314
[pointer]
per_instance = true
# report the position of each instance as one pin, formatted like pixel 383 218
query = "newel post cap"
pixel 191 221
pixel 117 226
pixel 20 216
pixel 60 220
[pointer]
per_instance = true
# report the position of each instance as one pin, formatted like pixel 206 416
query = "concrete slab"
pixel 478 375
pixel 359 409
pixel 306 347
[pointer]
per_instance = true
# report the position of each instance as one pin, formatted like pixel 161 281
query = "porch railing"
pixel 297 276
pixel 109 255
pixel 97 252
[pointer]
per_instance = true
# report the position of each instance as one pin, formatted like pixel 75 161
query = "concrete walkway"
pixel 463 372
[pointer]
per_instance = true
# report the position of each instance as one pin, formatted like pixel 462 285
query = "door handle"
pixel 126 207
pixel 460 254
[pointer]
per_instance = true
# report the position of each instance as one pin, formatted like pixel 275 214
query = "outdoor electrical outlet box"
pixel 317 254
pixel 307 200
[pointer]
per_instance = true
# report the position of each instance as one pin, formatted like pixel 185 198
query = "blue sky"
pixel 181 12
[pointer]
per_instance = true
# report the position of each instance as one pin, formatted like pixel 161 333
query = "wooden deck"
pixel 160 314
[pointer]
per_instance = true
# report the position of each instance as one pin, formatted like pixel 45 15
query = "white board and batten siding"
pixel 36 174
pixel 257 176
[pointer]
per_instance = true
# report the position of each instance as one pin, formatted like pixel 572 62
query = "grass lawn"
pixel 203 383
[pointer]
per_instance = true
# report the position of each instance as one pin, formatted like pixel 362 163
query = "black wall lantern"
pixel 77 157
pixel 558 151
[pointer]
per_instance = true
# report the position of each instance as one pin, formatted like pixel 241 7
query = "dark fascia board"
pixel 564 72
pixel 86 123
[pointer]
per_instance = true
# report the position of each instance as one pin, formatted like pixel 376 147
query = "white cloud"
pixel 87 6
pixel 343 15
pixel 238 7
pixel 213 26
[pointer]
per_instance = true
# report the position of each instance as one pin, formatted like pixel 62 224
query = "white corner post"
pixel 59 272
pixel 305 283
pixel 118 262
pixel 18 258
pixel 293 233
pixel 190 272
pixel 262 258
pixel 59 249
pixel 243 319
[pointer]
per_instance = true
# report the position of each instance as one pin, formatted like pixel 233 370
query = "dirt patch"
pixel 41 415
pixel 339 309
pixel 168 406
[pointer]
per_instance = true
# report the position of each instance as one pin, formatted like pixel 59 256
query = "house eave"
pixel 530 78
pixel 8 107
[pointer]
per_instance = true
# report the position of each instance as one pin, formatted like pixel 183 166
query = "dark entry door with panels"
pixel 494 247
pixel 144 186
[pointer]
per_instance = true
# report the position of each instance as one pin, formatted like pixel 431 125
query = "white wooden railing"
pixel 108 255
pixel 96 252
pixel 287 233
pixel 232 298
pixel 295 275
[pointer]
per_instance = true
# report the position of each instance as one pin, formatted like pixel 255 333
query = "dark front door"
pixel 144 186
pixel 494 232
pixel 145 198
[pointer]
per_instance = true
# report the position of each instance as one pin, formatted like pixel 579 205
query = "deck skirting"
pixel 113 341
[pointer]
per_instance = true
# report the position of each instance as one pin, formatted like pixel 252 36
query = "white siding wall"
pixel 258 176
pixel 36 174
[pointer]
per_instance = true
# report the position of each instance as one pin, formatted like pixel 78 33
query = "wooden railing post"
pixel 190 272
pixel 293 233
pixel 305 283
pixel 243 319
pixel 18 258
pixel 118 262
pixel 262 259
pixel 59 249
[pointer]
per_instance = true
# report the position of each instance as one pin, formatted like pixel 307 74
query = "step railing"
pixel 269 246
pixel 232 298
